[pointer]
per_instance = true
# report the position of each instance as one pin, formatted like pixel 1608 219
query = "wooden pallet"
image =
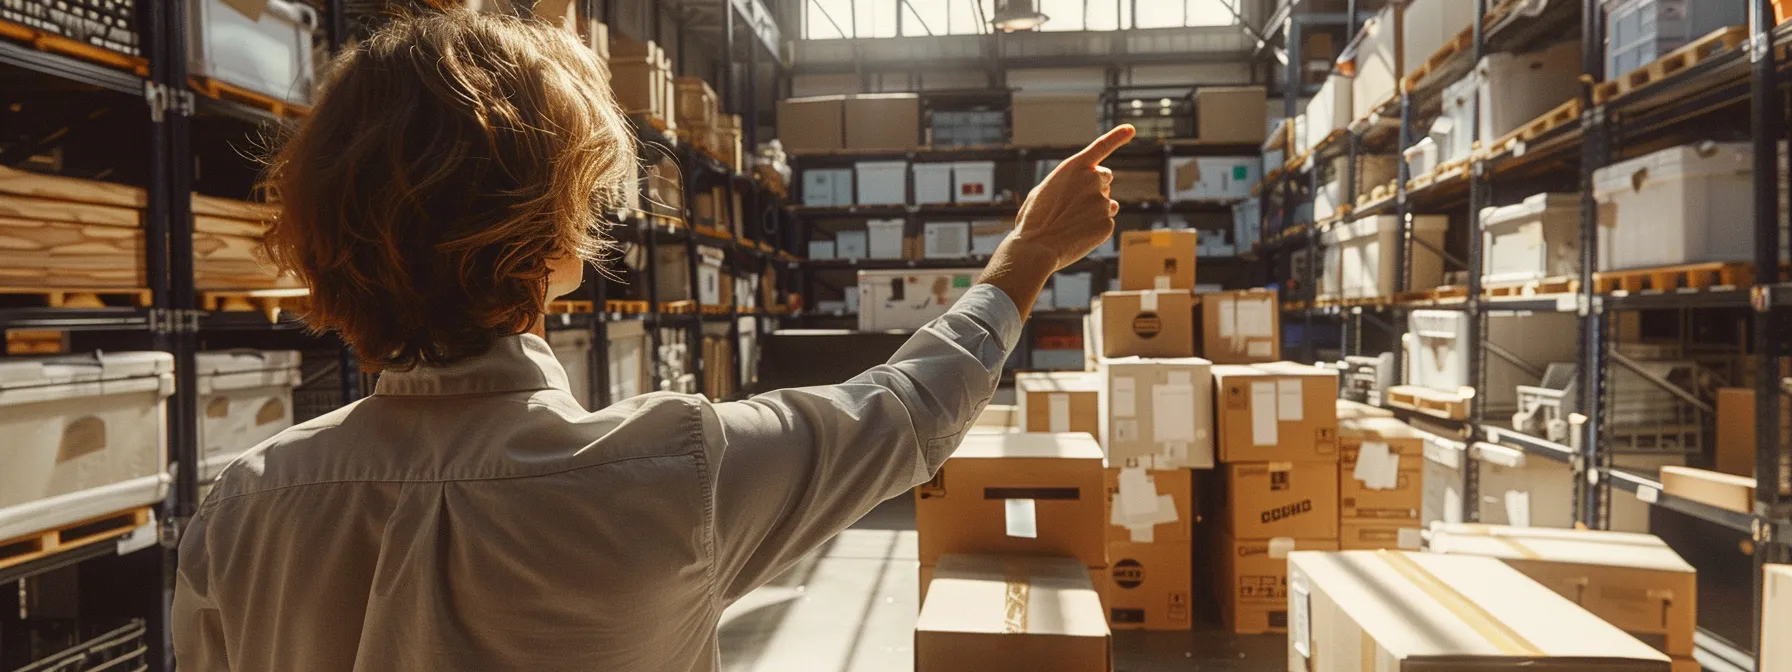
pixel 36 342
pixel 1463 41
pixel 57 44
pixel 569 306
pixel 714 309
pixel 1431 402
pixel 714 232
pixel 626 307
pixel 1562 115
pixel 1714 275
pixel 1542 287
pixel 212 88
pixel 1441 174
pixel 1698 51
pixel 684 307
pixel 1379 193
pixel 270 302
pixel 58 297
pixel 69 537
pixel 1435 294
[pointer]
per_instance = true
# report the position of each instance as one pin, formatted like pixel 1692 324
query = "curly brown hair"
pixel 447 160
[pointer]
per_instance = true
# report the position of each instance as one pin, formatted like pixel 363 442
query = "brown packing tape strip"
pixel 1014 603
pixel 1496 632
pixel 1518 547
pixel 1160 238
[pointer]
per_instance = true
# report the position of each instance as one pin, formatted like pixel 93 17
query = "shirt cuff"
pixel 992 307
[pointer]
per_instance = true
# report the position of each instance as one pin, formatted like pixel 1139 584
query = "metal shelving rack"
pixel 1752 74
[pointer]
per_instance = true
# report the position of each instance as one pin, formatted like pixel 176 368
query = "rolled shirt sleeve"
pixel 794 467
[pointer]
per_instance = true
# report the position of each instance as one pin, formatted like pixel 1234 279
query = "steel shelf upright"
pixel 1772 489
pixel 1592 494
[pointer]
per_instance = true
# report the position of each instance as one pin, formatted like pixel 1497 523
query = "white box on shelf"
pixel 851 245
pixel 946 240
pixel 882 182
pixel 1421 157
pixel 1641 31
pixel 821 249
pixel 1427 25
pixel 987 235
pixel 821 187
pixel 1378 69
pixel 1365 272
pixel 268 53
pixel 933 183
pixel 1437 355
pixel 1443 484
pixel 627 352
pixel 906 300
pixel 1247 222
pixel 1327 199
pixel 1454 129
pixel 245 397
pixel 1534 239
pixel 572 347
pixel 1515 89
pixel 1681 205
pixel 884 238
pixel 1523 490
pixel 973 181
pixel 852 299
pixel 1072 290
pixel 1328 111
pixel 1331 263
pixel 86 436
pixel 709 275
pixel 1213 178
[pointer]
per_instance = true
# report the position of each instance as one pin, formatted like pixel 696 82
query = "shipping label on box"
pixel 1159 260
pixel 1283 499
pixel 1149 586
pixel 1059 402
pixel 1382 474
pixel 1241 327
pixel 1019 493
pixel 1150 506
pixel 1157 413
pixel 1251 581
pixel 1277 412
pixel 1147 324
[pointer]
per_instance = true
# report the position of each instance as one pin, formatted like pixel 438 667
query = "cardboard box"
pixel 1387 484
pixel 1231 114
pixel 884 238
pixel 1157 413
pixel 634 81
pixel 1241 327
pixel 1016 493
pixel 1736 431
pixel 1169 520
pixel 1059 401
pixel 812 124
pixel 1251 581
pixel 1724 491
pixel 696 105
pixel 993 613
pixel 1282 499
pixel 905 300
pixel 1161 259
pixel 1097 578
pixel 852 245
pixel 1055 119
pixel 1373 535
pixel 1362 610
pixel 884 121
pixel 998 416
pixel 1149 586
pixel 1136 186
pixel 1633 581
pixel 1776 619
pixel 1276 412
pixel 1146 324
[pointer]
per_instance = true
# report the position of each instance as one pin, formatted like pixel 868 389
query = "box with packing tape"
pixel 1148 586
pixel 1150 506
pixel 1276 412
pixel 1393 610
pixel 1033 494
pixel 1251 581
pixel 1241 327
pixel 1282 499
pixel 1146 323
pixel 1157 413
pixel 1633 581
pixel 1374 535
pixel 1160 259
pixel 1059 401
pixel 1382 471
pixel 986 612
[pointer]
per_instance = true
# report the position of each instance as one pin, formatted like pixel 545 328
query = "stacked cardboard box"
pixel 1381 484
pixel 1011 612
pixel 1150 580
pixel 1153 313
pixel 1059 401
pixel 641 75
pixel 702 124
pixel 1241 327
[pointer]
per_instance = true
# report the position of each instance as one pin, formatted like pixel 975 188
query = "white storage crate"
pixel 245 397
pixel 1327 199
pixel 85 437
pixel 881 182
pixel 1534 239
pixel 851 245
pixel 1331 263
pixel 1421 157
pixel 1517 88
pixel 883 238
pixel 827 187
pixel 1437 355
pixel 572 347
pixel 1681 205
pixel 1640 31
pixel 821 249
pixel 946 240
pixel 1378 69
pixel 1442 498
pixel 1365 379
pixel 933 183
pixel 1365 271
pixel 1427 25
pixel 1454 129
pixel 1523 490
pixel 269 53
pixel 1328 111
pixel 906 300
pixel 973 181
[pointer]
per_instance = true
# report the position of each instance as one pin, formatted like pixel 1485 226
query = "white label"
pixel 1166 510
pixel 1289 402
pixel 1256 319
pixel 1647 494
pixel 1518 508
pixel 1280 547
pixel 1228 320
pixel 1568 303
pixel 1377 467
pixel 1125 400
pixel 1300 631
pixel 1126 430
pixel 1060 412
pixel 1147 302
pixel 1258 349
pixel 1022 517
pixel 1138 497
pixel 1161 283
pixel 1263 413
pixel 1409 538
pixel 1172 413
pixel 1142 534
pixel 1179 378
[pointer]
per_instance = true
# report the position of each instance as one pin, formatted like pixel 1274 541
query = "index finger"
pixel 1103 146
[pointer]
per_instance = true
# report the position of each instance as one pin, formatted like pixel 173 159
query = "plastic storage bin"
pixel 1437 353
pixel 1328 111
pixel 269 54
pixel 933 183
pixel 1515 89
pixel 1454 129
pixel 1640 31
pixel 1686 204
pixel 245 397
pixel 882 182
pixel 85 437
pixel 884 238
pixel 973 181
pixel 827 187
pixel 1531 240
pixel 1365 271
pixel 573 348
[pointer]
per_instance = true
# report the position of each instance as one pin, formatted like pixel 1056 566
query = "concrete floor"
pixel 850 607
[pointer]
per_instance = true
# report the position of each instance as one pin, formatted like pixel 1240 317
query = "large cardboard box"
pixel 1776 619
pixel 998 416
pixel 1276 412
pixel 1071 119
pixel 812 124
pixel 1097 578
pixel 883 121
pixel 1161 259
pixel 1633 581
pixel 1146 323
pixel 1231 114
pixel 1282 499
pixel 1381 475
pixel 1417 612
pixel 1016 493
pixel 1149 586
pixel 1241 327
pixel 1724 491
pixel 1356 534
pixel 1010 613
pixel 1251 581
pixel 1168 519
pixel 1157 413
pixel 1736 429
pixel 1059 401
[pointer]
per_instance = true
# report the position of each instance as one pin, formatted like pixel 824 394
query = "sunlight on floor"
pixel 849 606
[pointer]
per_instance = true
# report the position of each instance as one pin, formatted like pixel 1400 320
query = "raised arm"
pixel 794 467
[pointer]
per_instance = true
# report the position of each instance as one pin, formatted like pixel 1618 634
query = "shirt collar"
pixel 513 364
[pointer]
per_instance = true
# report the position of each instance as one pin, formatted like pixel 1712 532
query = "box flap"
pixel 1012 595
pixel 1067 446
pixel 1588 547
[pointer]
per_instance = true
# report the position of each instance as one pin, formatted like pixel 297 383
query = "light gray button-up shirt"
pixel 474 517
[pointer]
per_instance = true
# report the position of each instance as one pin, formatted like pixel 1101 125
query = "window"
pixel 835 19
